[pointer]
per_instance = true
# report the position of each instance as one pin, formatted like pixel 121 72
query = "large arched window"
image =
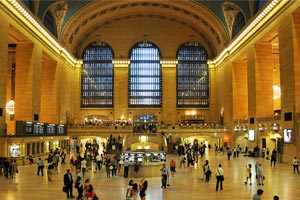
pixel 239 23
pixel 192 76
pixel 49 22
pixel 97 76
pixel 144 76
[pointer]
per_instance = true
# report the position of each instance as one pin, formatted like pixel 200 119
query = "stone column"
pixel 4 32
pixel 169 94
pixel 121 89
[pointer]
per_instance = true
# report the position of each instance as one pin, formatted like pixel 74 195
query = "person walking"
pixel 258 195
pixel 41 166
pixel 220 177
pixel 68 183
pixel 14 169
pixel 296 164
pixel 99 160
pixel 49 171
pixel 126 168
pixel 248 174
pixel 165 175
pixel 182 160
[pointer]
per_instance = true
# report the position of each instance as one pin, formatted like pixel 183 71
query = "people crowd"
pixel 87 159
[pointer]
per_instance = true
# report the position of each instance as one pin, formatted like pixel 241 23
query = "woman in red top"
pixel 89 193
pixel 172 167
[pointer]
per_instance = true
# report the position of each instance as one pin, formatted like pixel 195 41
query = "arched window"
pixel 29 4
pixel 239 23
pixel 192 76
pixel 49 22
pixel 144 76
pixel 97 76
pixel 259 4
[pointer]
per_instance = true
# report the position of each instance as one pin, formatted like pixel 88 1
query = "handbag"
pixel 95 197
pixel 77 185
pixel 65 189
pixel 221 176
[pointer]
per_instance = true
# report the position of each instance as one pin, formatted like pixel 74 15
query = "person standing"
pixel 126 168
pixel 83 167
pixel 129 187
pixel 165 175
pixel 206 171
pixel 40 165
pixel 220 177
pixel 172 167
pixel 260 174
pixel 273 157
pixel 258 195
pixel 296 164
pixel 136 167
pixel 143 187
pixel 68 183
pixel 79 185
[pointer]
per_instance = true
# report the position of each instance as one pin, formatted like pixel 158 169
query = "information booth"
pixel 150 162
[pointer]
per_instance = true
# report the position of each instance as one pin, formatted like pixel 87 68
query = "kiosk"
pixel 150 162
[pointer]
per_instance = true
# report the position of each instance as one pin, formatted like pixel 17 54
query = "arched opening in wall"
pixel 145 82
pixel 192 76
pixel 49 22
pixel 238 25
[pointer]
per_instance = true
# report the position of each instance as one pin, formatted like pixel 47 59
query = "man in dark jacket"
pixel 68 184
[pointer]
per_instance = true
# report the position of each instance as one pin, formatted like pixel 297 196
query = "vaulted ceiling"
pixel 82 22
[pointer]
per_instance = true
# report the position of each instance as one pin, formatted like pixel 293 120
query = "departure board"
pixel 39 129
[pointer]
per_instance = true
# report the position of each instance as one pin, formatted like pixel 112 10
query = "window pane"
pixel 97 76
pixel 144 76
pixel 192 76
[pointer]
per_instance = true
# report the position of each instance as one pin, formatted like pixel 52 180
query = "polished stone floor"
pixel 185 185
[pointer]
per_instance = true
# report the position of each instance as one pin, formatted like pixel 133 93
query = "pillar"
pixel 121 89
pixel 169 94
pixel 4 33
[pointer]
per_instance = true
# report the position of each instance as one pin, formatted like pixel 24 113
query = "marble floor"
pixel 185 184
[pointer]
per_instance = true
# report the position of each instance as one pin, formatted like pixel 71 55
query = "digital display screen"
pixel 38 128
pixel 61 129
pixel 51 128
pixel 287 135
pixel 28 128
pixel 24 128
pixel 251 135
